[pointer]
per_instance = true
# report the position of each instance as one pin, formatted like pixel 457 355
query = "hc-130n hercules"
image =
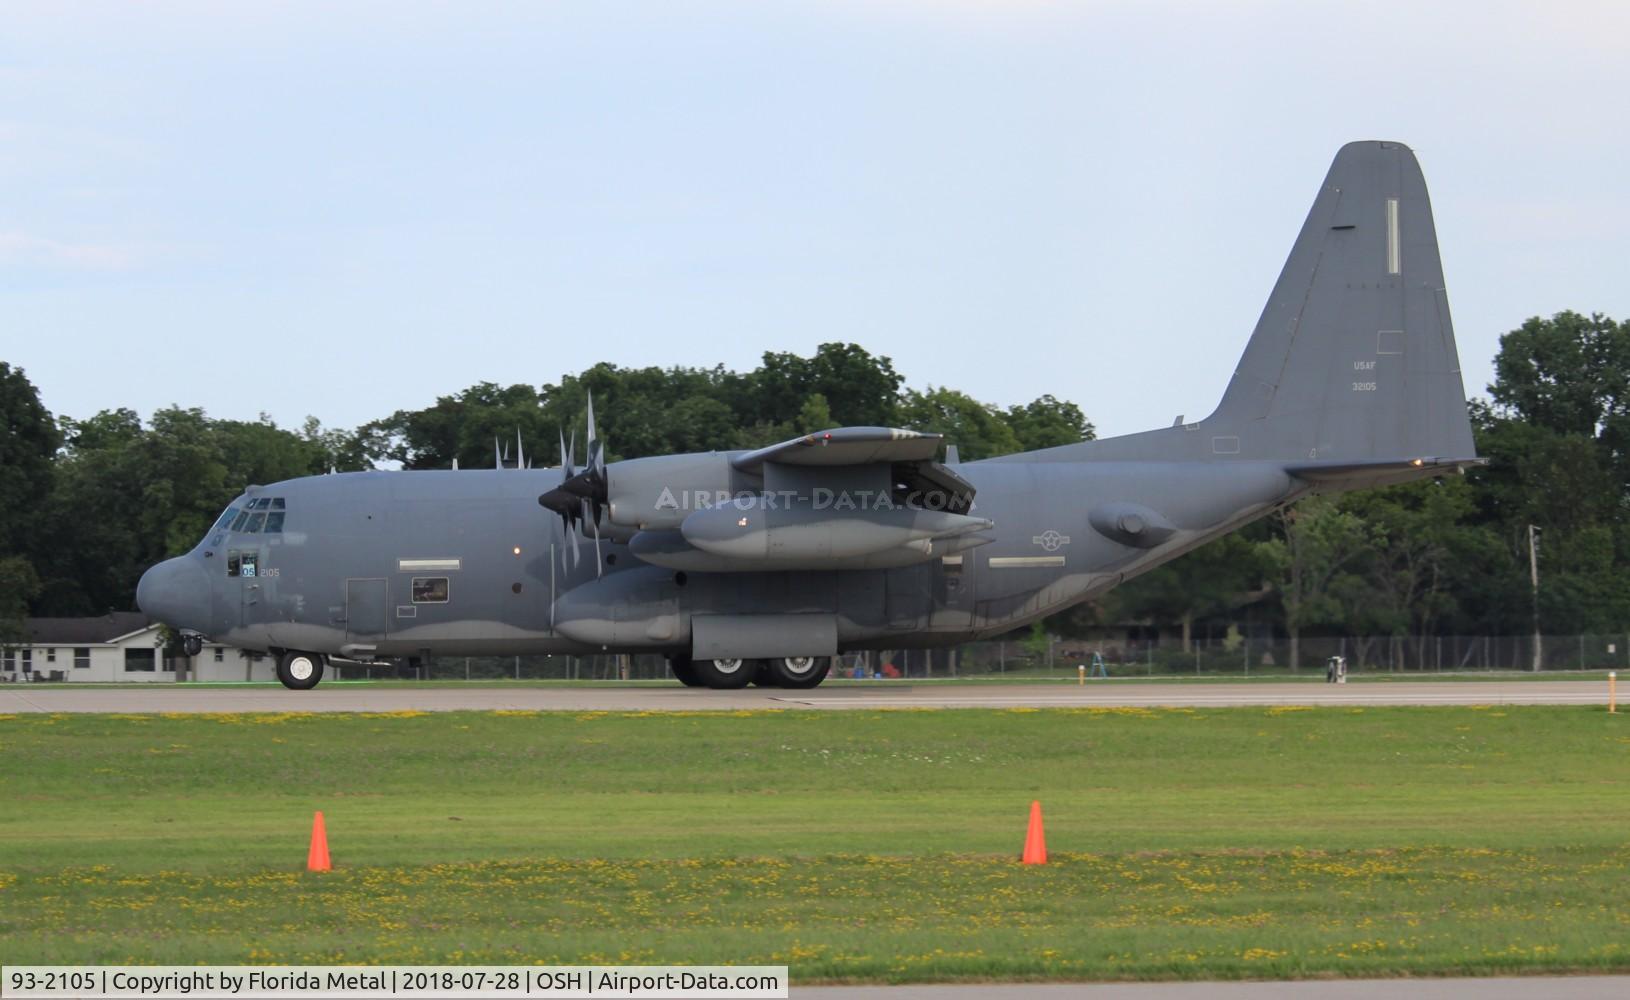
pixel 763 565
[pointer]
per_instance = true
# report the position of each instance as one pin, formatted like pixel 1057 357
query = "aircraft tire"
pixel 299 671
pixel 799 671
pixel 684 671
pixel 726 674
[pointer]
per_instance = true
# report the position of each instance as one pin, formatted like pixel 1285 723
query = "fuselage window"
pixel 430 590
pixel 277 503
pixel 274 521
pixel 226 519
pixel 232 559
pixel 239 521
pixel 255 521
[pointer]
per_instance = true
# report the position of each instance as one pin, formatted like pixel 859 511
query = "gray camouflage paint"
pixel 1350 380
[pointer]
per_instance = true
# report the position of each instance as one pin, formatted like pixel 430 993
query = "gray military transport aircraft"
pixel 763 565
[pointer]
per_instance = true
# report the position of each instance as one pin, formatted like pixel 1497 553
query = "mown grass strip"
pixel 856 845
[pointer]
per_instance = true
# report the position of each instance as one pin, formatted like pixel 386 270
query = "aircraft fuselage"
pixel 394 564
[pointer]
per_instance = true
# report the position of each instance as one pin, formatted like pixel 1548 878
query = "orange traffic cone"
pixel 317 857
pixel 1035 842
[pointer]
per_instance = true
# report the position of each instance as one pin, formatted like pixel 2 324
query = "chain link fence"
pixel 1231 655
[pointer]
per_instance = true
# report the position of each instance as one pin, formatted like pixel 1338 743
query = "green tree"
pixel 1048 422
pixel 19 585
pixel 860 389
pixel 1214 579
pixel 977 429
pixel 27 447
pixel 1313 557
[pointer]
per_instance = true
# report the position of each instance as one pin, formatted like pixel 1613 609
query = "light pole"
pixel 1533 579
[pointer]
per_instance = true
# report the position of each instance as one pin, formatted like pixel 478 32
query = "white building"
pixel 119 646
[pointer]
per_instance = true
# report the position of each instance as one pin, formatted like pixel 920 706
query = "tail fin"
pixel 1354 356
pixel 1353 360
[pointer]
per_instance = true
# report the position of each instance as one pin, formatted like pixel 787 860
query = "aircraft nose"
pixel 176 592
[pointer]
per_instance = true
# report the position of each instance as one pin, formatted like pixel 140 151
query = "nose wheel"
pixel 300 671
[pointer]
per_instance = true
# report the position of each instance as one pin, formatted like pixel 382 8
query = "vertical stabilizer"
pixel 1353 359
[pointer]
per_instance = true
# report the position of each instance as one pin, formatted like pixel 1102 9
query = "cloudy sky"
pixel 341 210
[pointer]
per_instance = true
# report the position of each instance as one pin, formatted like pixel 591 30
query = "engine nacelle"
pixel 660 492
pixel 802 531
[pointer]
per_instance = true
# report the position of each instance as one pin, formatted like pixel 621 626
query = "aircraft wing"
pixel 909 453
pixel 845 446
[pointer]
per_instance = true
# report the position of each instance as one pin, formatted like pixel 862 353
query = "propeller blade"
pixel 594 526
pixel 592 436
pixel 520 454
pixel 497 456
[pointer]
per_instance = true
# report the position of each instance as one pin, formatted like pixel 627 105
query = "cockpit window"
pixel 260 515
pixel 225 519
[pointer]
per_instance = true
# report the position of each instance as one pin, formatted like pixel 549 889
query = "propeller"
pixel 581 495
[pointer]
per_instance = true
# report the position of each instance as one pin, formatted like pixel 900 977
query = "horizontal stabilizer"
pixel 1334 472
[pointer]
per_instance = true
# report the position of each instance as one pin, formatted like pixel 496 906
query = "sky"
pixel 341 210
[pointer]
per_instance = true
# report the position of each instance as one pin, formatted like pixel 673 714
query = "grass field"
pixel 851 846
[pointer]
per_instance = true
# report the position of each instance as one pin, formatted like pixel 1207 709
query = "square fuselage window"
pixel 430 590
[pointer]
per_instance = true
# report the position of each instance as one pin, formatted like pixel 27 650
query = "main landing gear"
pixel 729 674
pixel 300 671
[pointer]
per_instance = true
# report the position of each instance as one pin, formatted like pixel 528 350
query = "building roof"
pixel 68 631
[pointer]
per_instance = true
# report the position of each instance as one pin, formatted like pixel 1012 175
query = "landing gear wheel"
pixel 684 671
pixel 799 671
pixel 300 671
pixel 192 645
pixel 726 674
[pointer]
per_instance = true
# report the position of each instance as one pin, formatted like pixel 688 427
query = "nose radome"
pixel 176 592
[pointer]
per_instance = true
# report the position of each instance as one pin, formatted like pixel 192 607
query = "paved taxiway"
pixel 1515 988
pixel 672 698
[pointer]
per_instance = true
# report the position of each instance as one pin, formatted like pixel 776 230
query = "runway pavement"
pixel 160 697
pixel 1513 988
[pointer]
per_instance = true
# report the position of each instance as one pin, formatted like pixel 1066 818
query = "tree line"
pixel 87 504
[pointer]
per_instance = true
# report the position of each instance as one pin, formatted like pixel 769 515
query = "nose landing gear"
pixel 300 671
